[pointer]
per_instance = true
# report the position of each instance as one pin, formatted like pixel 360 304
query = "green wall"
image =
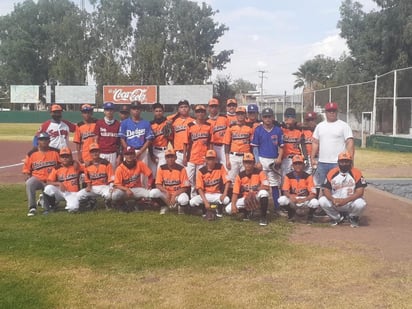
pixel 398 144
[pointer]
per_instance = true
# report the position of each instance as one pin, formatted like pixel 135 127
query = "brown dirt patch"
pixel 12 153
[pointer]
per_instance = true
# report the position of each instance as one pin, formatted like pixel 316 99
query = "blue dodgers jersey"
pixel 268 142
pixel 136 133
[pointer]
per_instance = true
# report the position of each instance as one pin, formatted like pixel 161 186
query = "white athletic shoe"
pixel 32 212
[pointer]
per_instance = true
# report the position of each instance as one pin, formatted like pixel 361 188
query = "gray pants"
pixel 32 185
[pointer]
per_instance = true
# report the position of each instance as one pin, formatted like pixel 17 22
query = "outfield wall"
pixel 391 143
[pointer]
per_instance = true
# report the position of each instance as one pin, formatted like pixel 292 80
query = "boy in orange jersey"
pixel 199 134
pixel 299 191
pixel 172 184
pixel 291 141
pixel 84 135
pixel 63 183
pixel 38 164
pixel 211 180
pixel 307 138
pixel 127 179
pixel 231 105
pixel 159 143
pixel 219 126
pixel 250 180
pixel 179 121
pixel 237 143
pixel 98 176
pixel 252 118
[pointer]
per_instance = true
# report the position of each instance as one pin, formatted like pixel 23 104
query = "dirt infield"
pixel 385 230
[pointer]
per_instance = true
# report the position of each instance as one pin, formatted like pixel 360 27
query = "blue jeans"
pixel 322 171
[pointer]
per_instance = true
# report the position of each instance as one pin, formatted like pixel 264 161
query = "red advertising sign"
pixel 128 94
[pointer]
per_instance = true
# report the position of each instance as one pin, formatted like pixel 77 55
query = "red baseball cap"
pixel 310 116
pixel 331 106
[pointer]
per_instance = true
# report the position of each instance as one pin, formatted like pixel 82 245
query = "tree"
pixel 223 89
pixel 243 86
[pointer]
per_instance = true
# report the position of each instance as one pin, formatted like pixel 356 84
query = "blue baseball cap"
pixel 108 105
pixel 252 108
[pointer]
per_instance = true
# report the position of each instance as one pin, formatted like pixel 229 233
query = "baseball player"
pixel 159 144
pixel 199 133
pixel 107 135
pixel 179 122
pixel 124 112
pixel 127 179
pixel 343 192
pixel 57 128
pixel 250 184
pixel 219 127
pixel 211 181
pixel 38 164
pixel 99 177
pixel 172 184
pixel 299 191
pixel 84 135
pixel 237 143
pixel 252 116
pixel 267 145
pixel 63 183
pixel 231 112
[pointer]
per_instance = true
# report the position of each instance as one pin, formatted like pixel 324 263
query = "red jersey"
pixel 249 183
pixel 40 164
pixel 172 179
pixel 69 176
pixel 219 126
pixel 198 141
pixel 130 177
pixel 84 136
pixel 239 138
pixel 291 142
pixel 107 136
pixel 100 173
pixel 157 126
pixel 212 181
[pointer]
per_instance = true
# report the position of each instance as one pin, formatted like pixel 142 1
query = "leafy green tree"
pixel 243 86
pixel 223 89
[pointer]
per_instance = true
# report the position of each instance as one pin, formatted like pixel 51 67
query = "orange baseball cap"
pixel 240 109
pixel 298 159
pixel 331 106
pixel 248 157
pixel 56 108
pixel 231 101
pixel 200 107
pixel 213 101
pixel 211 153
pixel 170 152
pixel 94 146
pixel 65 151
pixel 345 156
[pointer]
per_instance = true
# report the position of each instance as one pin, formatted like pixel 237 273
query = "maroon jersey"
pixel 107 136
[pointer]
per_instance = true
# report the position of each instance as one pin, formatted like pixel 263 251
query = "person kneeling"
pixel 298 191
pixel 253 188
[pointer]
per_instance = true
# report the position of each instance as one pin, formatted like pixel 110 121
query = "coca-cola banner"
pixel 128 94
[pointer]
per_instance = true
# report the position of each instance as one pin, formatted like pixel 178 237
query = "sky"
pixel 274 36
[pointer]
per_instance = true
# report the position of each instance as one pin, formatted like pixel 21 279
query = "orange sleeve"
pixel 52 175
pixel 27 165
pixel 159 177
pixel 76 137
pixel 144 169
pixel 223 172
pixel 236 186
pixel 286 184
pixel 228 137
pixel 118 177
pixel 199 181
pixel 184 179
pixel 110 173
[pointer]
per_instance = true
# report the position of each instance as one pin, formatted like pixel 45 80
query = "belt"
pixel 218 144
pixel 291 156
pixel 181 151
pixel 240 154
pixel 160 148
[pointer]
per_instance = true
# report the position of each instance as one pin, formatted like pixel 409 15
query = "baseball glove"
pixel 167 129
pixel 251 202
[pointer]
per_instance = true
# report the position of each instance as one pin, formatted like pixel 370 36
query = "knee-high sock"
pixel 264 201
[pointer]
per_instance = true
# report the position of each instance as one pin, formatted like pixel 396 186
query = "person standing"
pixel 231 111
pixel 219 127
pixel 107 135
pixel 253 116
pixel 331 137
pixel 124 112
pixel 85 135
pixel 267 145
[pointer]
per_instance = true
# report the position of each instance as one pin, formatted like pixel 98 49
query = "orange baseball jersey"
pixel 40 164
pixel 84 136
pixel 253 124
pixel 231 120
pixel 69 176
pixel 157 126
pixel 219 126
pixel 308 134
pixel 239 138
pixel 291 140
pixel 180 131
pixel 301 186
pixel 172 179
pixel 130 177
pixel 244 183
pixel 212 181
pixel 98 174
pixel 198 140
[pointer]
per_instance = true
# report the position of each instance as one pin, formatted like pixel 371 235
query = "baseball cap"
pixel 213 101
pixel 310 116
pixel 170 152
pixel 65 151
pixel 331 106
pixel 290 112
pixel 267 112
pixel 240 109
pixel 231 101
pixel 211 153
pixel 94 146
pixel 86 108
pixel 200 107
pixel 298 158
pixel 124 109
pixel 345 156
pixel 252 108
pixel 129 150
pixel 108 105
pixel 248 157
pixel 43 135
pixel 183 102
pixel 136 105
pixel 56 108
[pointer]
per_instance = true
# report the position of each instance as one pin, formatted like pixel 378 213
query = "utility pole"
pixel 82 5
pixel 262 75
